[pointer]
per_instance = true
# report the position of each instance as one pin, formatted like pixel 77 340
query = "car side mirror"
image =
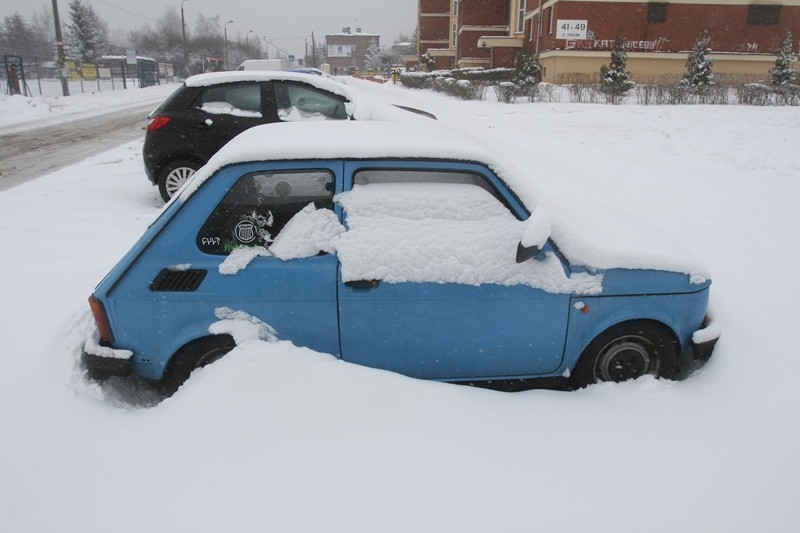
pixel 526 253
pixel 537 231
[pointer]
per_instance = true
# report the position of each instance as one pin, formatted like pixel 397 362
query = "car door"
pixel 429 286
pixel 221 112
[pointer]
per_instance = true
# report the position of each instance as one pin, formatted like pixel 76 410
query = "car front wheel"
pixel 174 176
pixel 627 351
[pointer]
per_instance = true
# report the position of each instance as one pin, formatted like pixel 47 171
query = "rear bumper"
pixel 102 362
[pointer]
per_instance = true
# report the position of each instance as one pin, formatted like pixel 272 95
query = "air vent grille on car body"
pixel 177 280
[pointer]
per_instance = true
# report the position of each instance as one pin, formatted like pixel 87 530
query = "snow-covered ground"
pixel 279 438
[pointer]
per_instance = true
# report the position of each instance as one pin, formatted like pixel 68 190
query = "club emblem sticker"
pixel 245 231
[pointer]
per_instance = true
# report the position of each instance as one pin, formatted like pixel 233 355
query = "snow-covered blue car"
pixel 406 247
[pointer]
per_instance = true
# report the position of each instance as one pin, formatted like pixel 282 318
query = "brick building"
pixel 347 50
pixel 575 37
pixel 449 30
pixel 433 32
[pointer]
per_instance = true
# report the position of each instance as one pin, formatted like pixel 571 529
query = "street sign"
pixel 571 29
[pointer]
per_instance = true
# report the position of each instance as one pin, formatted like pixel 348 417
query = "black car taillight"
pixel 101 319
pixel 157 123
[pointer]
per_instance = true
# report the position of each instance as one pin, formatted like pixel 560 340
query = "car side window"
pixel 367 177
pixel 428 226
pixel 242 100
pixel 295 102
pixel 259 205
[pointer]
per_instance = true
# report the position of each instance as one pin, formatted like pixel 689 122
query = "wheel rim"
pixel 176 179
pixel 626 358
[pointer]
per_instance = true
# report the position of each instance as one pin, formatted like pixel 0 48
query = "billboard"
pixel 340 50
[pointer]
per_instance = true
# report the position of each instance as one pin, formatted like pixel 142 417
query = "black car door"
pixel 221 112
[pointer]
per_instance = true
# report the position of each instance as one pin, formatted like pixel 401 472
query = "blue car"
pixel 407 247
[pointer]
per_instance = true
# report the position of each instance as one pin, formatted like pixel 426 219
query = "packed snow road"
pixel 41 135
pixel 33 153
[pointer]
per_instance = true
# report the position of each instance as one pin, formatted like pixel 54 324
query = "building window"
pixel 521 16
pixel 453 35
pixel 455 8
pixel 762 14
pixel 550 29
pixel 657 12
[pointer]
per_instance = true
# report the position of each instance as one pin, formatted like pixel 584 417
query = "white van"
pixel 264 64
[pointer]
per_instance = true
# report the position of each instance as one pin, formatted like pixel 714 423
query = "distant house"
pixel 347 51
pixel 575 37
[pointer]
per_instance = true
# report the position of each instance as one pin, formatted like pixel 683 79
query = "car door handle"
pixel 207 123
pixel 363 284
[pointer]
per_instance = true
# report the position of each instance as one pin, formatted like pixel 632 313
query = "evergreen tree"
pixel 615 80
pixel 529 71
pixel 87 35
pixel 698 66
pixel 783 73
pixel 16 36
pixel 430 63
pixel 373 57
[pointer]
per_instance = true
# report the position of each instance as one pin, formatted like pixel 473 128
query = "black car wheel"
pixel 174 176
pixel 627 351
pixel 194 355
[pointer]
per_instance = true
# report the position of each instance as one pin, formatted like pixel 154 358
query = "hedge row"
pixel 472 84
pixel 467 84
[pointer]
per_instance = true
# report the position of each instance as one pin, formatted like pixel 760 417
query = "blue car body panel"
pixel 453 332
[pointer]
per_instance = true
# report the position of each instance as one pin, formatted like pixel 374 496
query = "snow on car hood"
pixel 593 236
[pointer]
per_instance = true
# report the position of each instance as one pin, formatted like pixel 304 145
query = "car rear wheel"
pixel 194 355
pixel 627 351
pixel 174 176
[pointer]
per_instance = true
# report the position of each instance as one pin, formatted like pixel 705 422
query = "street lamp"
pixel 183 31
pixel 225 29
pixel 246 42
pixel 266 50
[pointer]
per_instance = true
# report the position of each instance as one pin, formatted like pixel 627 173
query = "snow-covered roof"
pixel 360 106
pixel 214 78
pixel 418 138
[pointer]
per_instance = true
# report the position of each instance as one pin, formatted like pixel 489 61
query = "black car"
pixel 209 110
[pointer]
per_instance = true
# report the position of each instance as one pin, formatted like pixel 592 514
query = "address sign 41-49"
pixel 571 29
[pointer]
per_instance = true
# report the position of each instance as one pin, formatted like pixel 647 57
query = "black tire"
pixel 627 351
pixel 174 175
pixel 196 354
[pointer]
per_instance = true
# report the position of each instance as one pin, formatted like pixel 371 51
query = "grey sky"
pixel 286 22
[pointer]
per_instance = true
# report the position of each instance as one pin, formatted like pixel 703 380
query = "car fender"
pixel 680 314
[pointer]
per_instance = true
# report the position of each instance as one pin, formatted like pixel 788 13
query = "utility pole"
pixel 60 47
pixel 313 50
pixel 185 53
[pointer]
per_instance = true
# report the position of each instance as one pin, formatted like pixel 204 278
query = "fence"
pixel 41 77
